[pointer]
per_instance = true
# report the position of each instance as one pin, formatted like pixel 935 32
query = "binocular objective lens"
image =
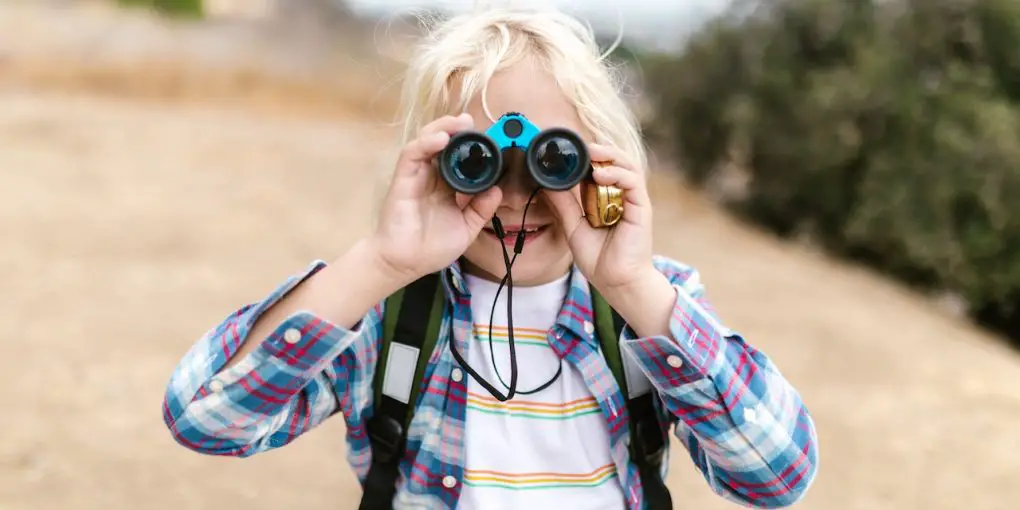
pixel 557 158
pixel 472 161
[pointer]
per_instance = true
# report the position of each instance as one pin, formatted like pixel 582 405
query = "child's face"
pixel 528 89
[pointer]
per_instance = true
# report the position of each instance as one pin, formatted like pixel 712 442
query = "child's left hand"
pixel 619 256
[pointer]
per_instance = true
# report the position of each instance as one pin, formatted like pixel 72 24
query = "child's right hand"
pixel 424 225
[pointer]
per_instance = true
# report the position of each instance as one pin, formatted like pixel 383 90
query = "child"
pixel 279 367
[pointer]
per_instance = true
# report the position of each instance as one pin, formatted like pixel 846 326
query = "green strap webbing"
pixel 429 345
pixel 429 285
pixel 609 338
pixel 645 433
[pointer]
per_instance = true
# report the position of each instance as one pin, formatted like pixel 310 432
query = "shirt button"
pixel 675 361
pixel 750 416
pixel 457 375
pixel 589 327
pixel 291 336
pixel 449 482
pixel 216 385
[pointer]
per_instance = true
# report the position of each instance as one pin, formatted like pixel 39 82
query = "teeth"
pixel 516 232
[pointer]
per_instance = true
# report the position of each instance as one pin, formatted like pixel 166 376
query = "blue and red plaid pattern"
pixel 745 427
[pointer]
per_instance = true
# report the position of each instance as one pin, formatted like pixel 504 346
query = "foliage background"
pixel 181 8
pixel 884 132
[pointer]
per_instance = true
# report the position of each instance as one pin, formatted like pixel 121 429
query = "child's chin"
pixel 535 270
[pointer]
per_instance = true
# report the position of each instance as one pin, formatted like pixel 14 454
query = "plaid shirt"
pixel 744 426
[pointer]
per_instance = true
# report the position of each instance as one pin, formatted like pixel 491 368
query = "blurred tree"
pixel 176 8
pixel 326 12
pixel 887 131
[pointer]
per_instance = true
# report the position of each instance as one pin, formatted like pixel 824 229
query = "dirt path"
pixel 130 227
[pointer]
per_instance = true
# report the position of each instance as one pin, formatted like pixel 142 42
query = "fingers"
pixel 414 175
pixel 481 208
pixel 636 203
pixel 605 153
pixel 621 173
pixel 420 150
pixel 566 205
pixel 632 184
pixel 449 124
pixel 431 139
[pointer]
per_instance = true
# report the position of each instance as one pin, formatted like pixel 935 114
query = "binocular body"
pixel 555 158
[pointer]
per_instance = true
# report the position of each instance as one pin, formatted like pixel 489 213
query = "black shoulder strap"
pixel 411 322
pixel 647 445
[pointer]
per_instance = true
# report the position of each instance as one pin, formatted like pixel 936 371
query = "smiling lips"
pixel 531 232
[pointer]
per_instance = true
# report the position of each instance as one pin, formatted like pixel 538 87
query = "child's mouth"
pixel 531 232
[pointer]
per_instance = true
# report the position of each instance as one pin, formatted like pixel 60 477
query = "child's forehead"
pixel 530 91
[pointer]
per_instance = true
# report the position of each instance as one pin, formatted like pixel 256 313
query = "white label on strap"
pixel 400 364
pixel 637 383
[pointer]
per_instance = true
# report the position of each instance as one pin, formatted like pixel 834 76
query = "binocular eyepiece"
pixel 473 162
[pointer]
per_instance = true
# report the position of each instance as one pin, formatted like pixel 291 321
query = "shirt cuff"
pixel 693 351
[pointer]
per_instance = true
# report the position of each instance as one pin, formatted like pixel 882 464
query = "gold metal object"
pixel 603 205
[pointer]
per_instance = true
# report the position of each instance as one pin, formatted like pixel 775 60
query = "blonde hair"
pixel 460 55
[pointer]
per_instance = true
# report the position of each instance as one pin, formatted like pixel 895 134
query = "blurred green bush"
pixel 886 131
pixel 176 8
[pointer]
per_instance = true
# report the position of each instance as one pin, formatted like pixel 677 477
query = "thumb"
pixel 481 208
pixel 567 209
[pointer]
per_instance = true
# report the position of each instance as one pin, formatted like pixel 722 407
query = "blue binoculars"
pixel 473 162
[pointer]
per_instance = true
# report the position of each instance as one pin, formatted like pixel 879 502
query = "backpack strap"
pixel 411 322
pixel 647 445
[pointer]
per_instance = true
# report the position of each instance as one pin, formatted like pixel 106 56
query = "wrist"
pixel 638 286
pixel 363 272
pixel 347 288
pixel 377 272
pixel 646 302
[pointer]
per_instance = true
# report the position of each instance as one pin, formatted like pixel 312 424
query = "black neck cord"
pixel 492 313
pixel 507 281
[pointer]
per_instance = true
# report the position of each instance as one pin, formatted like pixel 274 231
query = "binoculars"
pixel 555 158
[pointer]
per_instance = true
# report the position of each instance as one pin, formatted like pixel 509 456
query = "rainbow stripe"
pixel 533 410
pixel 522 336
pixel 539 481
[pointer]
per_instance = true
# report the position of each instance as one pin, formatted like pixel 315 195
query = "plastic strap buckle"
pixel 387 438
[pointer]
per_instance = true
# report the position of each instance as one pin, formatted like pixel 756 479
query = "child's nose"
pixel 517 183
pixel 515 197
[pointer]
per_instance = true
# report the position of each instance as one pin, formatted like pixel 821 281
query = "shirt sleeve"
pixel 306 371
pixel 744 425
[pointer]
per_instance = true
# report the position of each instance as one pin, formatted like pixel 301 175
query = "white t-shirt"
pixel 548 450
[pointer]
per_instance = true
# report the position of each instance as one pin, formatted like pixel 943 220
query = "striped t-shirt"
pixel 544 450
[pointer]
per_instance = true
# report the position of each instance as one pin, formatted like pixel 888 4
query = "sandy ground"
pixel 130 226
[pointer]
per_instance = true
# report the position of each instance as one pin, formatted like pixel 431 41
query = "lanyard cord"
pixel 508 281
